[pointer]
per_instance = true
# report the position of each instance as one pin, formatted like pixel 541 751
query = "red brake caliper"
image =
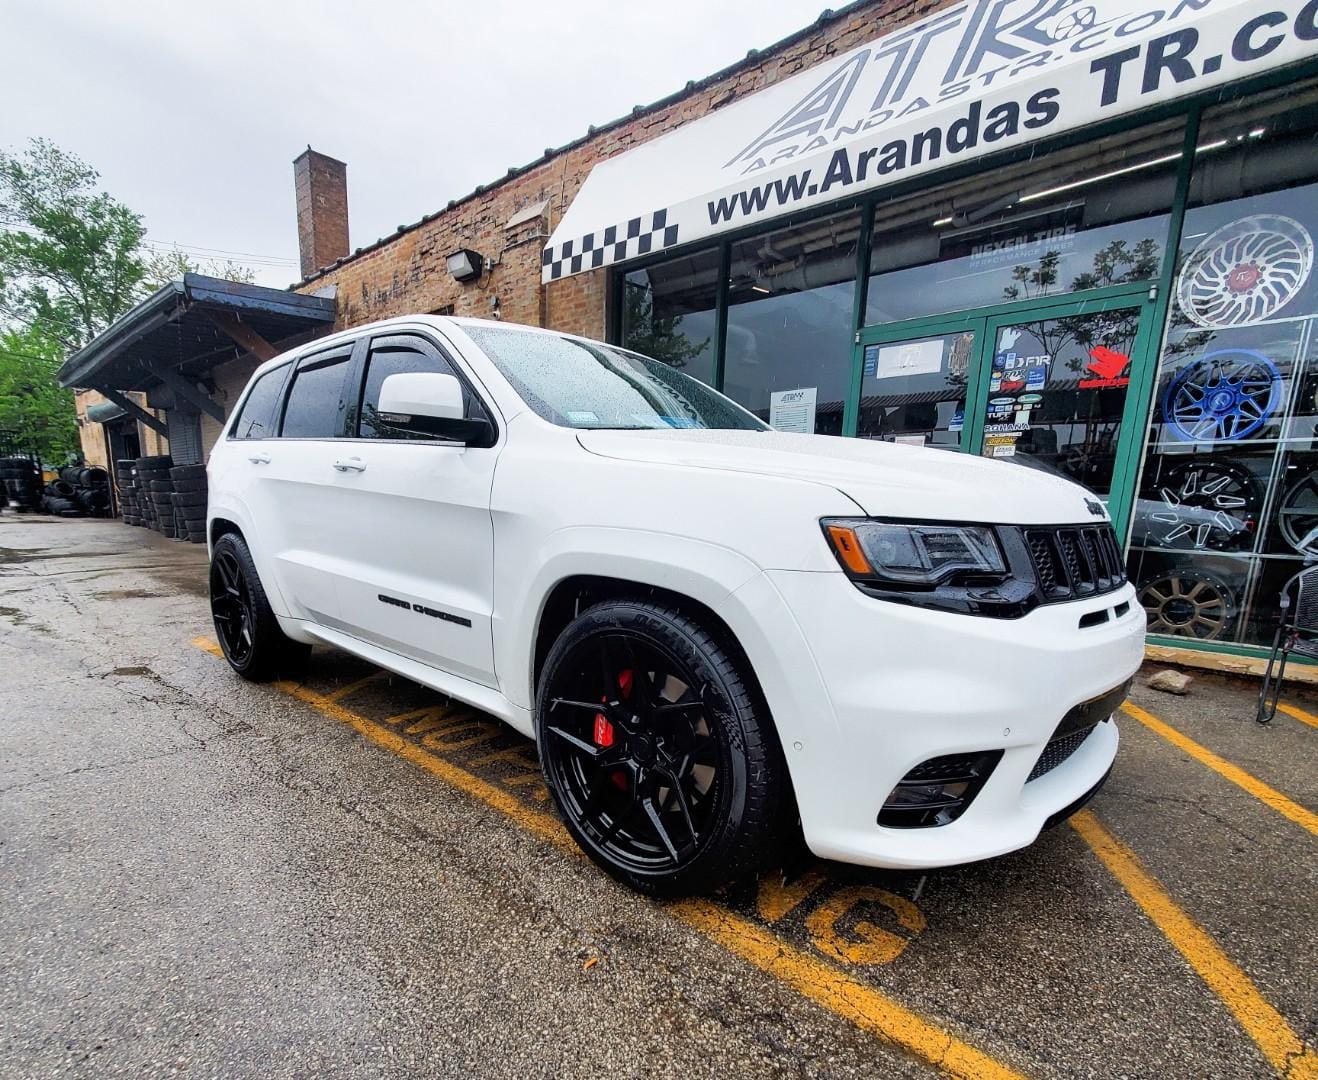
pixel 604 730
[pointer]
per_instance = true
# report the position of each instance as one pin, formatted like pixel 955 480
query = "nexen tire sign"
pixel 975 78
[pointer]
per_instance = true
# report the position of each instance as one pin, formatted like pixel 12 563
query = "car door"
pixel 292 494
pixel 413 526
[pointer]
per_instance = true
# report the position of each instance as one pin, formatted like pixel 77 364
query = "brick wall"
pixel 405 273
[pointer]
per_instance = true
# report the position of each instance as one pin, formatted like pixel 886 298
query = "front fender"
pixel 701 570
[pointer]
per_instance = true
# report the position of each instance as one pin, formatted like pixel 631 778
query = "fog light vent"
pixel 937 791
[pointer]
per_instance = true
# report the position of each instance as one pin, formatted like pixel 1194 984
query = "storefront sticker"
pixel 871 365
pixel 1001 445
pixel 1107 369
pixel 793 410
pixel 958 420
pixel 910 358
pixel 1014 371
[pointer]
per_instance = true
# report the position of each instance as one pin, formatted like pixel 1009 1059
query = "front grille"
pixel 1075 561
pixel 1058 751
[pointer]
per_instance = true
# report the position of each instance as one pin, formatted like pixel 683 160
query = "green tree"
pixel 658 336
pixel 70 255
pixel 72 260
pixel 34 409
pixel 164 266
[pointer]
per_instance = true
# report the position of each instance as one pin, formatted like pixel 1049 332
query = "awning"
pixel 976 78
pixel 177 334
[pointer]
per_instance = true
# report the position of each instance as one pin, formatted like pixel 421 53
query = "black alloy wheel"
pixel 246 625
pixel 654 747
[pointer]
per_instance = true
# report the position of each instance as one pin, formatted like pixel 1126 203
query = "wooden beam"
pixel 133 409
pixel 188 391
pixel 246 338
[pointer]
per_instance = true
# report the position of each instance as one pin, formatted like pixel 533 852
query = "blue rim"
pixel 1224 396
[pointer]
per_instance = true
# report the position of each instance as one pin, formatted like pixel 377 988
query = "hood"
pixel 884 479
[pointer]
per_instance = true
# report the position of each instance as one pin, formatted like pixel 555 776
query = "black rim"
pixel 633 742
pixel 231 608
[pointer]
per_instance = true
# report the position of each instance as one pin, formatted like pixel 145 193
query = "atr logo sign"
pixel 976 78
pixel 964 51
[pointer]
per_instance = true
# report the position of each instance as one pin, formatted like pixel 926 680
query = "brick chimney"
pixel 321 184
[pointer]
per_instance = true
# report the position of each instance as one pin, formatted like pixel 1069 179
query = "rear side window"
pixel 315 400
pixel 257 418
pixel 400 355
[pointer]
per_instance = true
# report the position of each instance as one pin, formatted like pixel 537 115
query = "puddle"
pixel 131 594
pixel 145 672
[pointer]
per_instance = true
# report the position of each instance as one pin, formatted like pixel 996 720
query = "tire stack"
pixel 22 482
pixel 190 502
pixel 60 499
pixel 91 488
pixel 156 492
pixel 125 479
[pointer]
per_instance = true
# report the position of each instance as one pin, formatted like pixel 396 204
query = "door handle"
pixel 259 459
pixel 352 464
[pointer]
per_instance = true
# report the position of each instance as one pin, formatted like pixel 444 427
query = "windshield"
pixel 583 384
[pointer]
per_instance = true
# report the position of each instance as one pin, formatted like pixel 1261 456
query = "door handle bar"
pixel 352 464
pixel 259 459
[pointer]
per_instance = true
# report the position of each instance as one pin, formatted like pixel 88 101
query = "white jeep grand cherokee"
pixel 709 627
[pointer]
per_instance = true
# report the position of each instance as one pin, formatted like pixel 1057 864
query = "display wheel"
pixel 1224 396
pixel 1206 504
pixel 1188 603
pixel 1245 272
pixel 1297 515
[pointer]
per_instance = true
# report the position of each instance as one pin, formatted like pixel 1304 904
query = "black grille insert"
pixel 1075 561
pixel 937 791
pixel 1058 751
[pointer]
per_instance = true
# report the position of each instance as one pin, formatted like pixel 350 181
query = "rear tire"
pixel 244 621
pixel 673 784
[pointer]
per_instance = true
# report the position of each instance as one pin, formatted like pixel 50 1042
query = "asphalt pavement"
pixel 347 875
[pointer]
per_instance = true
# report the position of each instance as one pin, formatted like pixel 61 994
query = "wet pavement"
pixel 350 876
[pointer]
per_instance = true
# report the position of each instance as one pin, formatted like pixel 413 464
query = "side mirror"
pixel 429 403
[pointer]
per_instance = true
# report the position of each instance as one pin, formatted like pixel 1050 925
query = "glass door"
pixel 1056 392
pixel 915 381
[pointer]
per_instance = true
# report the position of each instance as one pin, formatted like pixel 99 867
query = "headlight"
pixel 904 555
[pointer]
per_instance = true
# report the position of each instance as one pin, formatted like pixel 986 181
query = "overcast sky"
pixel 193 113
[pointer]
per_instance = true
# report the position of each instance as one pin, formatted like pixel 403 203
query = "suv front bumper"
pixel 864 690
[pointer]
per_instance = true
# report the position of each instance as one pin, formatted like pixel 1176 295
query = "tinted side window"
pixel 257 419
pixel 393 358
pixel 316 397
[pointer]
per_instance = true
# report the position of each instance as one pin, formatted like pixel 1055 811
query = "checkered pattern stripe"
pixel 639 236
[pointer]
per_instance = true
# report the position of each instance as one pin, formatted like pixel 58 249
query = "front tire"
pixel 661 757
pixel 244 621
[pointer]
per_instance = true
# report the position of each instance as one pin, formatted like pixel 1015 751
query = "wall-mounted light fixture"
pixel 465 265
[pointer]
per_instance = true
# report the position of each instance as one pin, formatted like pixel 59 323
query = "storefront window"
pixel 913 390
pixel 1078 218
pixel 668 312
pixel 1228 500
pixel 790 315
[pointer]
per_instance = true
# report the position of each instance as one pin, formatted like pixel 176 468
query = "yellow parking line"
pixel 1296 713
pixel 1273 798
pixel 352 687
pixel 1262 1023
pixel 823 984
